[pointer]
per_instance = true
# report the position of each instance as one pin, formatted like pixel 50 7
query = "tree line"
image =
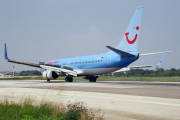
pixel 150 73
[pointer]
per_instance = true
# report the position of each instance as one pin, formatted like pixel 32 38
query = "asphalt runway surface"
pixel 117 99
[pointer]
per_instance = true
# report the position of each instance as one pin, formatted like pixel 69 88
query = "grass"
pixel 108 78
pixel 23 78
pixel 26 110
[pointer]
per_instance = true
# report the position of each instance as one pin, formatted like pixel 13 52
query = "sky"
pixel 42 30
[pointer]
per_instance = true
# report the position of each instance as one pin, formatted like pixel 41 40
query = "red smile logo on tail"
pixel 131 41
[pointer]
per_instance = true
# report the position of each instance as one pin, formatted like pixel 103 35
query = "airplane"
pixel 91 66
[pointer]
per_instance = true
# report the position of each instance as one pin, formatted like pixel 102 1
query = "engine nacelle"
pixel 49 74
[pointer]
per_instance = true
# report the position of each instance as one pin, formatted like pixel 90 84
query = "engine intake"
pixel 49 74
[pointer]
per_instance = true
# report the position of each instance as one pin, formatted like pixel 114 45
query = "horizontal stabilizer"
pixel 145 54
pixel 124 54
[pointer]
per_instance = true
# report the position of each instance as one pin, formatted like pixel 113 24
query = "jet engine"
pixel 49 74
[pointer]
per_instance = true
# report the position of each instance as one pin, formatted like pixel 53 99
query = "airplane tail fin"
pixel 130 38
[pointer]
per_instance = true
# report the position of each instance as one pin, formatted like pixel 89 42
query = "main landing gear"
pixel 93 78
pixel 69 79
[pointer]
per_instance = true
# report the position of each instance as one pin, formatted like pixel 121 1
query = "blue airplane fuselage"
pixel 95 64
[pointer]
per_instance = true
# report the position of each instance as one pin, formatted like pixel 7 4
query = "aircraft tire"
pixel 70 79
pixel 94 80
pixel 90 80
pixel 48 80
pixel 66 79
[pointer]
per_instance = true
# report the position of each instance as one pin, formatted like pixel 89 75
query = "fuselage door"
pixel 109 60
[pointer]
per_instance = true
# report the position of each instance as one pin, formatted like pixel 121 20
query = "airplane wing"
pixel 66 71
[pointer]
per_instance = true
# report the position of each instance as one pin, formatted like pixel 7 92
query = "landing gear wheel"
pixel 69 79
pixel 48 80
pixel 66 79
pixel 93 78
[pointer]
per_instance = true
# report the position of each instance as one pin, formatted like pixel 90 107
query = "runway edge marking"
pixel 137 101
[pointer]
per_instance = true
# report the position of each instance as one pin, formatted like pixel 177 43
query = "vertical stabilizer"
pixel 130 38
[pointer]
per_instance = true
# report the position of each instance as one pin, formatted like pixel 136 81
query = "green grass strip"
pixel 26 110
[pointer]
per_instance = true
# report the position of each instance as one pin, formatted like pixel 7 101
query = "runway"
pixel 118 100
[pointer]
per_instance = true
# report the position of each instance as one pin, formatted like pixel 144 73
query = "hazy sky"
pixel 41 30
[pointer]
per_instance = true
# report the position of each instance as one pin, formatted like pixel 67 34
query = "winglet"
pixel 18 62
pixel 5 52
pixel 162 58
pixel 159 63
